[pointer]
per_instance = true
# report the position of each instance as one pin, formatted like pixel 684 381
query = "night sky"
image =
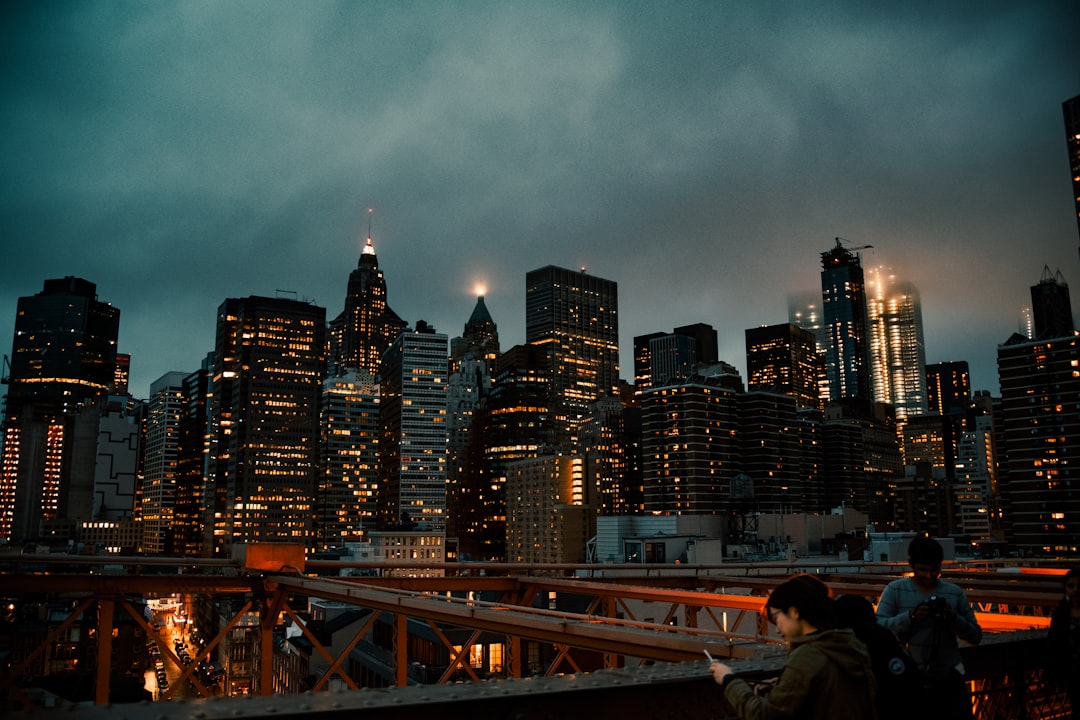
pixel 702 155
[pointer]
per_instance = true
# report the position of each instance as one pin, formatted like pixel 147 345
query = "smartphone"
pixel 709 657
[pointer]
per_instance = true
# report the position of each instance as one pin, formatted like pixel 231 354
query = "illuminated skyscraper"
pixel 412 437
pixel 512 424
pixel 576 316
pixel 898 351
pixel 63 360
pixel 472 364
pixel 783 359
pixel 690 444
pixel 368 325
pixel 662 357
pixel 192 527
pixel 1040 417
pixel 269 364
pixel 349 472
pixel 844 310
pixel 948 386
pixel 549 512
pixel 160 464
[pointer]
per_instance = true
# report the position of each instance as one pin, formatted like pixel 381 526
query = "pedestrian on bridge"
pixel 827 675
pixel 929 615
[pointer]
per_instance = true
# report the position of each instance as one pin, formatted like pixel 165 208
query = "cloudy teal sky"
pixel 702 155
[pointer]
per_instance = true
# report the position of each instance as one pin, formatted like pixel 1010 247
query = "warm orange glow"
pixel 480 290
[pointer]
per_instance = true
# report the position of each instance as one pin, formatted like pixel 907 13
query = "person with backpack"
pixel 898 680
pixel 929 615
pixel 827 675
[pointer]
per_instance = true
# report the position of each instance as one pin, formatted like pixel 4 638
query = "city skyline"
pixel 701 157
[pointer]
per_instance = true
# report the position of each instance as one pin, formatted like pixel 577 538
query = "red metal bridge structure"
pixel 633 645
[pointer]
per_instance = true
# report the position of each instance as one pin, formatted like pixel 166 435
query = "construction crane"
pixel 841 240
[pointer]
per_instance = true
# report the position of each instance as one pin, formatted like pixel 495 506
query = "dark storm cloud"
pixel 703 155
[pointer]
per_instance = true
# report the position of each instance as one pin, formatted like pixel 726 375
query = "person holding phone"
pixel 827 675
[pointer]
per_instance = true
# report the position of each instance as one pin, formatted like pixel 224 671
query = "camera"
pixel 938 607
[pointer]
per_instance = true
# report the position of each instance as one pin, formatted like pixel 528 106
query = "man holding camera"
pixel 928 614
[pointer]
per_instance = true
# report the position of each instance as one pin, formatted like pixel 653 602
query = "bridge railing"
pixel 1005 674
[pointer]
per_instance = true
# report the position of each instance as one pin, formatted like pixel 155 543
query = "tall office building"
pixel 690 444
pixel 576 316
pixel 1071 110
pixel 473 356
pixel 472 363
pixel 948 387
pixel 1051 307
pixel 844 310
pixel 269 363
pixel 161 462
pixel 512 424
pixel 783 359
pixel 347 500
pixel 660 357
pixel 898 352
pixel 367 325
pixel 1040 418
pixel 192 529
pixel 861 459
pixel 412 436
pixel 643 361
pixel 976 479
pixel 63 360
pixel 773 455
pixel 549 512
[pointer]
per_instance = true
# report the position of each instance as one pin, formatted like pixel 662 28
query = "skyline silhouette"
pixel 700 156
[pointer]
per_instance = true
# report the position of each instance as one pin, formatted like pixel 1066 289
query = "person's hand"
pixel 920 613
pixel 719 671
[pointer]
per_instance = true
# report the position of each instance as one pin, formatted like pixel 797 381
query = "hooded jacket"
pixel 827 676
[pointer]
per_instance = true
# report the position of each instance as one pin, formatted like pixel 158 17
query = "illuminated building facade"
pixel 63 358
pixel 122 374
pixel 412 435
pixel 576 316
pixel 845 320
pixel 193 502
pixel 161 462
pixel 367 325
pixel 1040 417
pixel 473 357
pixel 610 443
pixel 783 359
pixel 898 353
pixel 862 464
pixel 661 357
pixel 976 479
pixel 948 387
pixel 269 363
pixel 349 470
pixel 549 510
pixel 690 444
pixel 778 454
pixel 512 424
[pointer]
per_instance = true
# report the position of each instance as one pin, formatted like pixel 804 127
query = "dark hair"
pixel 924 550
pixel 808 595
pixel 854 610
pixel 1072 573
